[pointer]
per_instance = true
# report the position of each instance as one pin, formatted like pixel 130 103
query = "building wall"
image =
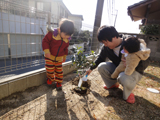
pixel 23 2
pixel 57 10
pixel 77 22
pixel 32 3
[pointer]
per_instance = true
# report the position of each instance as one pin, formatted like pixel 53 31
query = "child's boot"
pixel 131 98
pixel 58 86
pixel 49 82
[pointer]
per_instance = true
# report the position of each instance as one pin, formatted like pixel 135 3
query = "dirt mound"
pixel 85 89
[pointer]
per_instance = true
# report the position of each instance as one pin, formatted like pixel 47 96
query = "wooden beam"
pixel 147 11
pixel 154 11
pixel 146 14
pixel 141 4
pixel 141 17
pixel 153 21
pixel 130 14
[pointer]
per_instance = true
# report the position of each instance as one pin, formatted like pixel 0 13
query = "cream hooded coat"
pixel 132 60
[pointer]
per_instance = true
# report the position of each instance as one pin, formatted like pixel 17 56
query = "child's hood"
pixel 144 52
pixel 57 36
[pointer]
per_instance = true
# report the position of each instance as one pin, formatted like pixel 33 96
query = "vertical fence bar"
pixel 39 40
pixel 9 46
pixel 49 20
pixel 14 12
pixel 21 41
pixel 9 42
pixel 3 40
pixel 35 37
pixel 30 38
pixel 25 24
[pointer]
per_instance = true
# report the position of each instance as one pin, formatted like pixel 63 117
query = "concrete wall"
pixel 155 49
pixel 21 82
pixel 24 81
pixel 153 42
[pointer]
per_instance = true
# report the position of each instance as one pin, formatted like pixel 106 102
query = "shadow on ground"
pixel 46 103
pixel 42 102
pixel 155 78
pixel 141 109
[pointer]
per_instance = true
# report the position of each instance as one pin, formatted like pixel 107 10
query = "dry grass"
pixel 45 103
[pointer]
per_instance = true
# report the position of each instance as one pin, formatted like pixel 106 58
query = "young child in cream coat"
pixel 134 50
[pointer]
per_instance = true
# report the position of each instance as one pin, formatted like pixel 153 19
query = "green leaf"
pixel 92 52
pixel 79 47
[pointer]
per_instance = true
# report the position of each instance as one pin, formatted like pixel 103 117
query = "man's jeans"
pixel 127 81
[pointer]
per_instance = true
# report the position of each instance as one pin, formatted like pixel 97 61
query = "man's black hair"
pixel 107 33
pixel 66 26
pixel 132 44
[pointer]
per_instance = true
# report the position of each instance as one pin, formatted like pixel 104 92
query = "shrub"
pixel 152 29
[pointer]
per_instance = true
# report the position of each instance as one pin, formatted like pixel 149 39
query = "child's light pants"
pixel 128 82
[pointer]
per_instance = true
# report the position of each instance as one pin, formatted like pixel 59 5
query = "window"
pixel 39 5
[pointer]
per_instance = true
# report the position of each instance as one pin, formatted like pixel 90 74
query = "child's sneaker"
pixel 58 86
pixel 49 82
pixel 113 86
pixel 131 98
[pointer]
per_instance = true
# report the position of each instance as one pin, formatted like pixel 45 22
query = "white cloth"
pixel 116 50
pixel 142 46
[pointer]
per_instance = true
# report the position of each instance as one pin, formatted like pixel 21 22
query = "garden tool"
pixel 153 90
pixel 80 82
pixel 84 78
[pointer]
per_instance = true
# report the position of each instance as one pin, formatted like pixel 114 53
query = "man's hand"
pixel 48 55
pixel 88 72
pixel 124 61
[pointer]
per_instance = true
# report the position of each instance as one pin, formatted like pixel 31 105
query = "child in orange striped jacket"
pixel 55 46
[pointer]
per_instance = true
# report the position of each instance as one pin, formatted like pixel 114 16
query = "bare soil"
pixel 85 84
pixel 46 103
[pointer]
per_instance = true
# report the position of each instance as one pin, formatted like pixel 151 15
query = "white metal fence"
pixel 22 29
pixel 21 33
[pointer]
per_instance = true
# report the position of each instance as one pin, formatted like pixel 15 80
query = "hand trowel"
pixel 84 78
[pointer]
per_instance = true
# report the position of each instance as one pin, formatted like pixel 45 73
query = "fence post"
pixel 9 46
